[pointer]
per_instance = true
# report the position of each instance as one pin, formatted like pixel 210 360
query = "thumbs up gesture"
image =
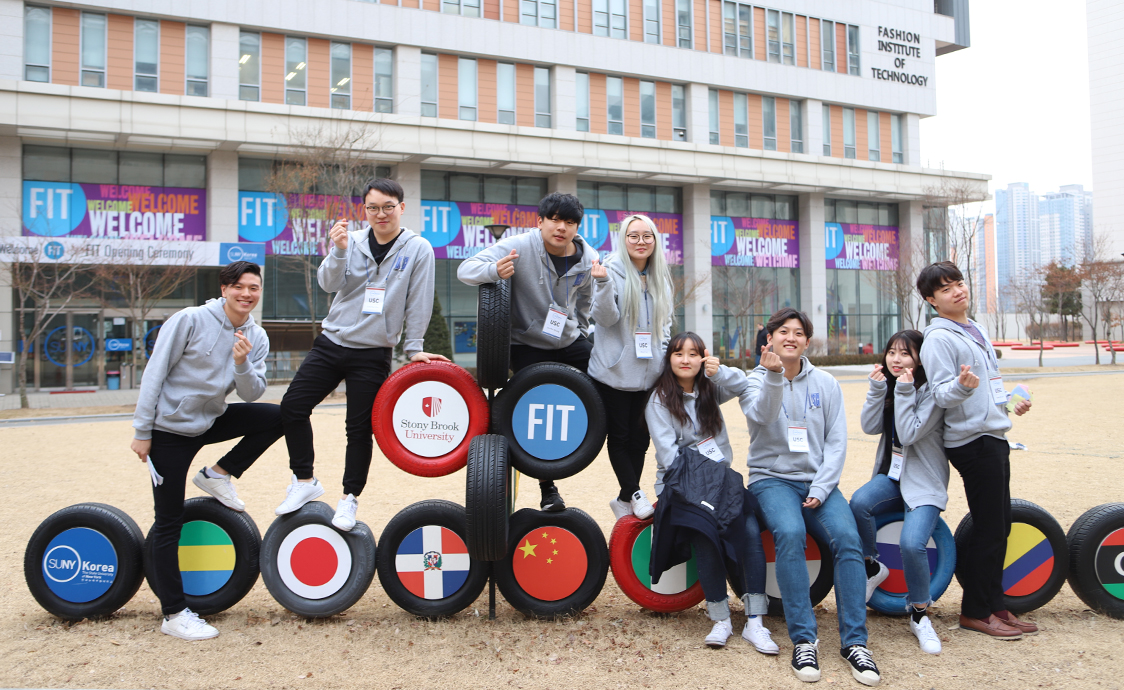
pixel 710 364
pixel 598 271
pixel 506 266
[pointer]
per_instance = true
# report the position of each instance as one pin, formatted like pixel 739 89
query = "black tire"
pixel 239 541
pixel 486 497
pixel 408 550
pixel 1096 568
pixel 111 568
pixel 1038 573
pixel 556 458
pixel 818 586
pixel 571 590
pixel 493 334
pixel 303 596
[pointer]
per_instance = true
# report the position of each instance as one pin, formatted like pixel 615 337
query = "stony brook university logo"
pixel 431 406
pixel 432 560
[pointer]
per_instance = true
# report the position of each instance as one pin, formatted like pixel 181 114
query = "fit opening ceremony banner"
pixel 863 247
pixel 114 212
pixel 759 242
pixel 295 224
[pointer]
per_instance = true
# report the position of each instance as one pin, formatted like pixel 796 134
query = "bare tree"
pixel 1099 276
pixel 965 212
pixel 1027 290
pixel 1113 308
pixel 900 285
pixel 745 297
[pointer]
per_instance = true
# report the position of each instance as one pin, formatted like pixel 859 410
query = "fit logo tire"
pixel 84 561
pixel 423 563
pixel 314 569
pixel 892 596
pixel 1037 558
pixel 493 334
pixel 630 550
pixel 487 494
pixel 553 419
pixel 1096 558
pixel 218 555
pixel 425 415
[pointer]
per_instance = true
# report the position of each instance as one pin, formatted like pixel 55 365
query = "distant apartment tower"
pixel 1106 91
pixel 1065 225
pixel 1017 243
pixel 985 291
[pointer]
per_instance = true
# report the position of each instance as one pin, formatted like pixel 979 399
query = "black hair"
pixel 233 272
pixel 387 186
pixel 934 276
pixel 561 206
pixel 781 315
pixel 912 340
pixel 670 393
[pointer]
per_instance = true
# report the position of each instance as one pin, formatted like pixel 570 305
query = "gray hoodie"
pixel 532 286
pixel 192 370
pixel 613 361
pixel 918 420
pixel 407 274
pixel 969 413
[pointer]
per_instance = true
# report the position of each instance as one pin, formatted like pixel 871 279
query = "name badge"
pixel 998 392
pixel 711 450
pixel 555 322
pixel 643 346
pixel 897 459
pixel 373 299
pixel 798 439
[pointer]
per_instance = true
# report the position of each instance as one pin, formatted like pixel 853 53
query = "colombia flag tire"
pixel 1096 558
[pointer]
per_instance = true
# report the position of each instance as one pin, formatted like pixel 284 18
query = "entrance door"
pixel 79 340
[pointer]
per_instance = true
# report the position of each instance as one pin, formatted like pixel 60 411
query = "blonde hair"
pixel 659 278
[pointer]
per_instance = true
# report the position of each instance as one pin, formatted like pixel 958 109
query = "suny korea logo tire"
pixel 892 595
pixel 1096 558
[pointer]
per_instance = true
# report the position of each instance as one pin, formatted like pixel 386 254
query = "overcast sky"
pixel 1015 104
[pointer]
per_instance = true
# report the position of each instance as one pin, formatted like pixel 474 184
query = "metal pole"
pixel 491 590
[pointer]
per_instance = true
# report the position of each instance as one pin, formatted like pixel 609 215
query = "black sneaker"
pixel 551 501
pixel 805 661
pixel 862 664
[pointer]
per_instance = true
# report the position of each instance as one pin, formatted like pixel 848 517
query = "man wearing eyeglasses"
pixel 383 279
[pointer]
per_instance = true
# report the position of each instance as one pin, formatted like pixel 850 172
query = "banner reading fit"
pixel 738 241
pixel 114 212
pixel 295 224
pixel 865 247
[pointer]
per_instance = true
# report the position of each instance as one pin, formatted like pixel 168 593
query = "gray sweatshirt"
pixel 918 420
pixel 535 286
pixel 407 274
pixel 969 413
pixel 613 361
pixel 192 370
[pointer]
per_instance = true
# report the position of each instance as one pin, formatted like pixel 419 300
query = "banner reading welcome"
pixel 759 242
pixel 861 247
pixel 114 212
pixel 295 224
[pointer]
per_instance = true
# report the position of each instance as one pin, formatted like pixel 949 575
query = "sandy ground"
pixel 1075 439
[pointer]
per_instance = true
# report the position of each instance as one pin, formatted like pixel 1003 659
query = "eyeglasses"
pixel 388 209
pixel 641 239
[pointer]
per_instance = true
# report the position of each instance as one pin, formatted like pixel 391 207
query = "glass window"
pixel 542 13
pixel 683 20
pixel 614 87
pixel 587 194
pixel 668 200
pixel 296 64
pixel 741 120
pixel 788 34
pixel 678 112
pixel 249 66
pixel 433 186
pixel 761 206
pixel 185 171
pixel 505 93
pixel 384 80
pixel 93 49
pixel 254 174
pixel 37 43
pixel 737 204
pixel 648 109
pixel 196 59
pixel 137 168
pixel 651 21
pixel 542 97
pixel 609 18
pixel 583 101
pixel 848 132
pixel 896 138
pixel 868 213
pixel 93 166
pixel 785 208
pixel 428 85
pixel 146 55
pixel 712 103
pixel 467 8
pixel 737 22
pixel 466 88
pixel 611 196
pixel 499 190
pixel 464 187
pixel 796 125
pixel 717 203
pixel 826 130
pixel 769 121
pixel 873 136
pixel 640 199
pixel 827 38
pixel 773 34
pixel 341 75
pixel 853 50
pixel 529 191
pixel 46 163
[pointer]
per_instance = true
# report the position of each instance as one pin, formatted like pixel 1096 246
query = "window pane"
pixel 667 200
pixel 712 101
pixel 185 171
pixel 827 130
pixel 542 97
pixel 384 80
pixel 429 85
pixel 141 168
pixel 587 194
pixel 93 166
pixel 868 213
pixel 773 30
pixel 583 95
pixel 761 206
pixel 737 204
pixel 249 62
pixel 678 106
pixel 529 190
pixel 785 208
pixel 147 46
pixel 466 84
pixel 341 68
pixel 611 196
pixel 499 190
pixel 652 21
pixel 433 185
pixel 464 187
pixel 848 127
pixel 769 116
pixel 37 36
pixel 254 174
pixel 717 203
pixel 745 41
pixel 197 52
pixel 796 124
pixel 683 19
pixel 640 199
pixel 741 119
pixel 93 41
pixel 295 63
pixel 615 89
pixel 648 102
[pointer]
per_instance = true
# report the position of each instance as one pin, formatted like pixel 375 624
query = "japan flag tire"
pixel 493 334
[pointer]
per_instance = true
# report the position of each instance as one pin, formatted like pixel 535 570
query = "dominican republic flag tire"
pixel 218 554
pixel 556 563
pixel 1037 556
pixel 821 572
pixel 424 416
pixel 423 562
pixel 892 597
pixel 487 493
pixel 630 550
pixel 1096 558
pixel 84 561
pixel 493 334
pixel 314 569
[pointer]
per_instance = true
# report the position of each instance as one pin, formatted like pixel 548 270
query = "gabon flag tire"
pixel 629 554
pixel 218 554
pixel 1096 558
pixel 892 596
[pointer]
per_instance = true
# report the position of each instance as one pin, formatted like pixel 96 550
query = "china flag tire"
pixel 424 564
pixel 493 334
pixel 1096 558
pixel 425 415
pixel 556 563
pixel 84 561
pixel 487 490
pixel 892 596
pixel 312 568
pixel 629 555
pixel 1036 561
pixel 218 553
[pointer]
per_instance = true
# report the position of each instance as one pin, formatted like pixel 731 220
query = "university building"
pixel 775 145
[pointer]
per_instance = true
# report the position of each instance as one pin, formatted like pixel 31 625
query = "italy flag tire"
pixel 630 550
pixel 1096 558
pixel 1034 568
pixel 891 598
pixel 218 556
pixel 423 561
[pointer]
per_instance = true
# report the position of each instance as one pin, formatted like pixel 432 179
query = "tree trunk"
pixel 22 377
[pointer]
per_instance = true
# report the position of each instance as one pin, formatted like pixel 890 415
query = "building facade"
pixel 1106 110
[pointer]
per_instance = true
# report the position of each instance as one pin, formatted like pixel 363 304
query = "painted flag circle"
pixel 432 562
pixel 1029 562
pixel 314 561
pixel 678 579
pixel 890 554
pixel 207 557
pixel 811 555
pixel 1110 563
pixel 430 419
pixel 549 563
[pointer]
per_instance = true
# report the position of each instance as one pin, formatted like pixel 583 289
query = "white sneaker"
pixel 187 625
pixel 759 636
pixel 345 513
pixel 221 488
pixel 930 643
pixel 641 508
pixel 719 634
pixel 619 508
pixel 298 493
pixel 873 582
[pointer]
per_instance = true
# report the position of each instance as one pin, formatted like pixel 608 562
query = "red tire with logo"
pixel 426 414
pixel 625 558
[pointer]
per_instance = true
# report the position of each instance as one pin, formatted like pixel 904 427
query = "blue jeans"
pixel 711 568
pixel 833 524
pixel 883 495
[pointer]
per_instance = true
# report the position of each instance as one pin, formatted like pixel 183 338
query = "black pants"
pixel 628 435
pixel 985 467
pixel 321 372
pixel 259 425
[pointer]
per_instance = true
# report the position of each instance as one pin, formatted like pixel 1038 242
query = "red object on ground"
pixel 1005 343
pixel 1032 347
pixel 1064 344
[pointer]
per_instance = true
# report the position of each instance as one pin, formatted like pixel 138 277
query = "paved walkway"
pixel 102 398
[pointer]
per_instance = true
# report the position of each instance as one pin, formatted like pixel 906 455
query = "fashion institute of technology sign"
pixel 902 45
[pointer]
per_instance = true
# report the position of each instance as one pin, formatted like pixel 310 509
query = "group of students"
pixel 656 389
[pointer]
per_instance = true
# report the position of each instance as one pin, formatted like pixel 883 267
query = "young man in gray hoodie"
pixel 551 293
pixel 957 349
pixel 202 354
pixel 383 279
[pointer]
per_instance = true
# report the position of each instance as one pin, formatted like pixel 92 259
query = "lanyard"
pixel 785 409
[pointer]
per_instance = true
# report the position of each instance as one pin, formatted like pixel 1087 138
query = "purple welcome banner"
pixel 110 211
pixel 758 242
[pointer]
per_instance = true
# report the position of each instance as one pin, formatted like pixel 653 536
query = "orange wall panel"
pixel 598 102
pixel 631 107
pixel 411 3
pixel 663 110
pixel 566 15
pixel 784 138
pixel 668 28
pixel 272 68
pixel 172 57
pixel 726 118
pixel 884 140
pixel 841 48
pixel 756 124
pixel 64 46
pixel 491 9
pixel 524 95
pixel 510 10
pixel 119 67
pixel 759 43
pixel 836 131
pixel 814 44
pixel 362 77
pixel 801 41
pixel 319 78
pixel 861 151
pixel 636 20
pixel 486 90
pixel 715 25
pixel 447 102
pixel 585 16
